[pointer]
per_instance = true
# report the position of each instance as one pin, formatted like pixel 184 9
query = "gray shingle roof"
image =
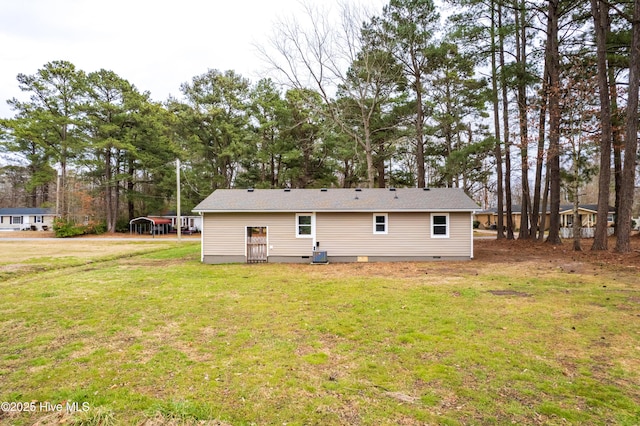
pixel 337 199
pixel 36 211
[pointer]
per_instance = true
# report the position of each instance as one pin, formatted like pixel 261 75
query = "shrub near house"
pixel 65 228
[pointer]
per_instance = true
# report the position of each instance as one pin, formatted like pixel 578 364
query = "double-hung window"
pixel 304 225
pixel 380 223
pixel 439 225
pixel 16 220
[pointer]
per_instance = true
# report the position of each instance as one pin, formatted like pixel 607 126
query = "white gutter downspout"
pixel 313 231
pixel 202 238
pixel 472 235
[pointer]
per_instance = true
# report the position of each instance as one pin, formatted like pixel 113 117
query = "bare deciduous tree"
pixel 331 59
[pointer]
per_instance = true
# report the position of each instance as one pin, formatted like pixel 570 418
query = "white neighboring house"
pixel 189 223
pixel 26 218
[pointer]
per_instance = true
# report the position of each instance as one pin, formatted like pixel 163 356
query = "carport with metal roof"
pixel 150 225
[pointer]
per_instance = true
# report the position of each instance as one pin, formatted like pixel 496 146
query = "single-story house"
pixel 489 218
pixel 26 218
pixel 588 216
pixel 192 223
pixel 339 225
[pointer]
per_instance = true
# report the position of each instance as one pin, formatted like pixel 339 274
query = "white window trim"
pixel 38 219
pixel 447 225
pixel 311 234
pixel 386 223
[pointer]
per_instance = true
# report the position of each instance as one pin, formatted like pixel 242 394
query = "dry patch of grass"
pixel 28 251
pixel 38 254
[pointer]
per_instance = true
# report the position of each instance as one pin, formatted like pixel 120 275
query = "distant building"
pixel 26 218
pixel 587 215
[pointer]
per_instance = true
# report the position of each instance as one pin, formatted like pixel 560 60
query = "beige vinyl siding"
pixel 225 234
pixel 340 234
pixel 460 238
pixel 409 234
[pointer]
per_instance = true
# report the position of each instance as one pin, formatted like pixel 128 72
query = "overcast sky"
pixel 154 44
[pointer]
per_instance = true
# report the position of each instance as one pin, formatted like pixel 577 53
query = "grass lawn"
pixel 37 255
pixel 156 338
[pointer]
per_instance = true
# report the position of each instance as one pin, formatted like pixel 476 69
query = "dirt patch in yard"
pixel 527 257
pixel 509 293
pixel 26 234
pixel 561 256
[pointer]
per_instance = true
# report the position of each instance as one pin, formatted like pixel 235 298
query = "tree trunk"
pixel 600 13
pixel 371 170
pixel 543 208
pixel 64 205
pixel 616 134
pixel 380 168
pixel 46 192
pixel 368 150
pixel 130 188
pixel 419 133
pixel 33 197
pixel 496 126
pixel 108 190
pixel 62 198
pixel 536 232
pixel 346 183
pixel 505 126
pixel 577 224
pixel 521 60
pixel 116 191
pixel 623 243
pixel 272 171
pixel 553 61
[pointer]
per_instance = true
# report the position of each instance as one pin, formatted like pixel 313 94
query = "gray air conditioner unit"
pixel 320 257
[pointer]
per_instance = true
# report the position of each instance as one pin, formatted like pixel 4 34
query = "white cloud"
pixel 155 44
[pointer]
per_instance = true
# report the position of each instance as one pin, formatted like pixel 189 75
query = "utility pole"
pixel 178 218
pixel 58 194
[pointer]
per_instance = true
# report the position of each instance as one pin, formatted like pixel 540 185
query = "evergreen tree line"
pixel 507 99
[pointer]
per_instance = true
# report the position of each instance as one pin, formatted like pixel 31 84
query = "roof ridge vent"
pixel 249 189
pixel 426 188
pixel 323 190
pixel 287 190
pixel 358 189
pixel 392 189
